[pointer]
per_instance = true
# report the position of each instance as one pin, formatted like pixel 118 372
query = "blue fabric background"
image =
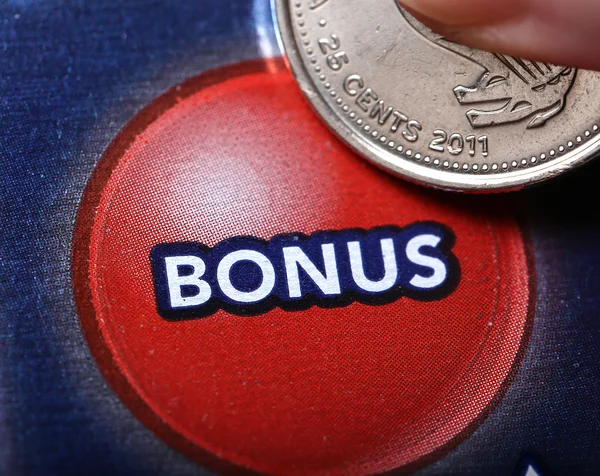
pixel 72 73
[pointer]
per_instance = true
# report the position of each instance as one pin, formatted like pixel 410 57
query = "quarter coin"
pixel 433 111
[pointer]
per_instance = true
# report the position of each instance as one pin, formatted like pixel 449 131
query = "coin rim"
pixel 399 164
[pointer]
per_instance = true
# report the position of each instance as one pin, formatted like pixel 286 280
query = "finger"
pixel 554 31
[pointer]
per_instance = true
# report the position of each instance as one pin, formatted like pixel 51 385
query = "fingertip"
pixel 560 32
pixel 459 13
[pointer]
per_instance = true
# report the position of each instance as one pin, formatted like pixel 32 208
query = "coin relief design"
pixel 519 89
pixel 434 111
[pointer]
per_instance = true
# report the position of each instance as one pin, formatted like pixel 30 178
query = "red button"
pixel 353 390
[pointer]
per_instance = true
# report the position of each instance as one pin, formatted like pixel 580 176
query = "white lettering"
pixel 224 278
pixel 389 264
pixel 175 281
pixel 294 257
pixel 413 253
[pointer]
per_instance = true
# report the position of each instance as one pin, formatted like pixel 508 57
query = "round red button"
pixel 353 390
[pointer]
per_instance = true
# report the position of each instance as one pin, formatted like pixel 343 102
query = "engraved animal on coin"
pixel 517 89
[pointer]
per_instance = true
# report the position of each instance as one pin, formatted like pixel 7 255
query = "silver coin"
pixel 433 111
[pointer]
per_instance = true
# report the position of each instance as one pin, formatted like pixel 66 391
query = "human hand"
pixel 554 31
